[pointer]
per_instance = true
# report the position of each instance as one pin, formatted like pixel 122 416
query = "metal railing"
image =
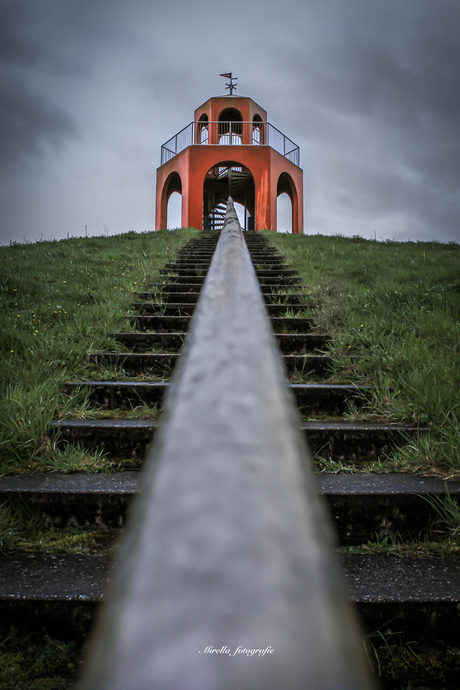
pixel 227 578
pixel 230 134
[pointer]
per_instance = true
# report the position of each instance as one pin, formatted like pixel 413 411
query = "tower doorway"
pixel 228 178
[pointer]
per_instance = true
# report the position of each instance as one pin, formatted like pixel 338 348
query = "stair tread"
pixel 85 577
pixel 127 483
pixel 402 579
pixel 328 387
pixel 319 425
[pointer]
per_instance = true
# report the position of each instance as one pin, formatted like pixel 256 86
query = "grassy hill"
pixel 393 306
pixel 58 302
pixel 396 305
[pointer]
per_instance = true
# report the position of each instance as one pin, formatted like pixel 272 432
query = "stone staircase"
pixel 419 597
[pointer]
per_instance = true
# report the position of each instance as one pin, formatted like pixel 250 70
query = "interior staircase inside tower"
pixel 225 181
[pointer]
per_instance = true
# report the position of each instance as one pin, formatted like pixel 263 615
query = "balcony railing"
pixel 230 134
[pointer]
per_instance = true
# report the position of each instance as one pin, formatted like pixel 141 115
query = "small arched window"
pixel 230 127
pixel 203 130
pixel 257 130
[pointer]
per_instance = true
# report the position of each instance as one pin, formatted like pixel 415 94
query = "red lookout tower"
pixel 230 150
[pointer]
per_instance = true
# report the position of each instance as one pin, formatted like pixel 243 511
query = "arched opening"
pixel 203 130
pixel 228 178
pixel 257 130
pixel 174 211
pixel 230 127
pixel 283 213
pixel 286 198
pixel 173 201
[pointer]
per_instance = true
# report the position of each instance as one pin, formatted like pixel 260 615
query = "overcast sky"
pixel 369 89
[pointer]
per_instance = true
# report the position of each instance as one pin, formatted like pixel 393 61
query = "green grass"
pixel 24 528
pixel 402 663
pixel 397 305
pixel 32 666
pixel 59 301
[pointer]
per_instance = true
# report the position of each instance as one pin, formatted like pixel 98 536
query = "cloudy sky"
pixel 369 89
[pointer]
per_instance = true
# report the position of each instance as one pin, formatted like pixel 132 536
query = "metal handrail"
pixel 230 133
pixel 227 578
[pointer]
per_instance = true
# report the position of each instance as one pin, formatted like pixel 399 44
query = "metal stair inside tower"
pixel 221 182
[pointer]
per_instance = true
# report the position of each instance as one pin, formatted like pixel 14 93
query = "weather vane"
pixel 231 86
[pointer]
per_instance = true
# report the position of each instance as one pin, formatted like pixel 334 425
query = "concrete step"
pixel 141 342
pixel 127 395
pixel 357 442
pixel 302 344
pixel 177 324
pixel 341 441
pixel 176 287
pixel 371 580
pixel 159 323
pixel 136 362
pixel 176 295
pixel 362 506
pixel 187 308
pixel 272 280
pixel 159 363
pixel 186 272
pixel 289 343
pixel 190 264
pixel 200 271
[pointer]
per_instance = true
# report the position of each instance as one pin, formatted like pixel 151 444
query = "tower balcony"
pixel 230 133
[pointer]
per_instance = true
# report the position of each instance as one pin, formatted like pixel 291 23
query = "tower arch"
pixel 223 179
pixel 230 127
pixel 173 183
pixel 258 138
pixel 286 185
pixel 203 129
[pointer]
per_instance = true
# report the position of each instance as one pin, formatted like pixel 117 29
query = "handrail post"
pixel 227 578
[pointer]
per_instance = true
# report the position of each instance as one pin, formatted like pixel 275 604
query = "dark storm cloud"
pixel 382 105
pixel 368 89
pixel 28 120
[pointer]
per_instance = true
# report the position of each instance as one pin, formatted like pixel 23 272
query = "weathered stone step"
pixel 174 273
pixel 265 254
pixel 191 264
pixel 160 323
pixel 357 442
pixel 136 342
pixel 192 256
pixel 407 579
pixel 268 264
pixel 361 505
pixel 176 287
pixel 289 343
pixel 271 280
pixel 302 344
pixel 311 398
pixel 84 577
pixel 127 439
pixel 123 439
pixel 176 295
pixel 136 362
pixel 200 272
pixel 187 308
pixel 148 362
